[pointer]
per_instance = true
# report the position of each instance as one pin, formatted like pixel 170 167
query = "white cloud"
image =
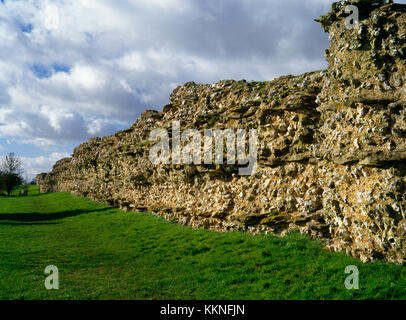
pixel 34 165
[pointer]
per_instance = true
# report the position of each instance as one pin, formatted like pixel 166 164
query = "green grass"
pixel 16 191
pixel 104 253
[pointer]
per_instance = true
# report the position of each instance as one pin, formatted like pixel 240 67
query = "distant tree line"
pixel 11 175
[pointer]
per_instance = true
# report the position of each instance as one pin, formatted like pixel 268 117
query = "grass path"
pixel 104 253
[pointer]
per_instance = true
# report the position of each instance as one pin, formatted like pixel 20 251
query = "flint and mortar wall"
pixel 331 148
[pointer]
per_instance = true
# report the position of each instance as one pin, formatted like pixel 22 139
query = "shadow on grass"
pixel 26 223
pixel 34 217
pixel 30 194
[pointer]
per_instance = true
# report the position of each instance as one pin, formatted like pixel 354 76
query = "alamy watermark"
pixel 209 149
pixel 352 281
pixel 352 21
pixel 51 18
pixel 52 279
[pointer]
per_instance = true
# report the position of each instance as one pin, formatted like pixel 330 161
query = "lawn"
pixel 16 191
pixel 105 253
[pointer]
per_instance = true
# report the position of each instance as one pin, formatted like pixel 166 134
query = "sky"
pixel 71 70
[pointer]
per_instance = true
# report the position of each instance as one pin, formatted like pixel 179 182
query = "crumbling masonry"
pixel 332 148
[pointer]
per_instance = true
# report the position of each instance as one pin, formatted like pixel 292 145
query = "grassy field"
pixel 16 191
pixel 104 253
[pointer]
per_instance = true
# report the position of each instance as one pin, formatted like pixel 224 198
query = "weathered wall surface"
pixel 331 148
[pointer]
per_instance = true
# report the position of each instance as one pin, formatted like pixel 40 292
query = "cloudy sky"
pixel 75 69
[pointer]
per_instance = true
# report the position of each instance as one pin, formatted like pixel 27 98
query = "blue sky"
pixel 71 70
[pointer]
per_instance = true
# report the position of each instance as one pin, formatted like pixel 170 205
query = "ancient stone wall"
pixel 330 158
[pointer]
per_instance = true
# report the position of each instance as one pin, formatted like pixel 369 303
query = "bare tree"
pixel 11 169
